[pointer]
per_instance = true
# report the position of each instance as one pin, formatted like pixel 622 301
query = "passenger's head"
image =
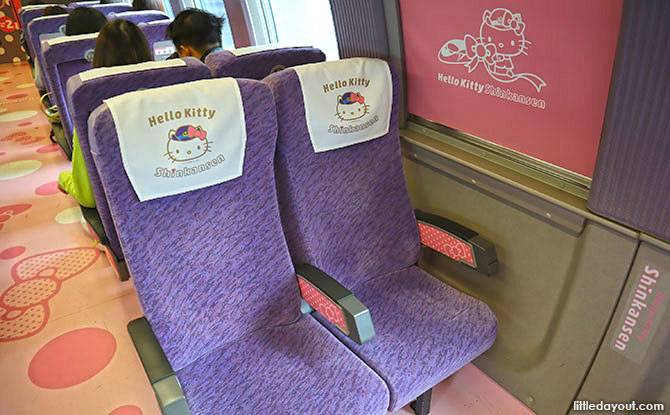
pixel 194 32
pixel 84 20
pixel 148 5
pixel 121 42
pixel 54 11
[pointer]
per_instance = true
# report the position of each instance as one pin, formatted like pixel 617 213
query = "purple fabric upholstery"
pixel 37 27
pixel 297 369
pixel 137 17
pixel 155 32
pixel 62 61
pixel 67 59
pixel 347 211
pixel 425 331
pixel 632 175
pixel 259 64
pixel 84 97
pixel 106 8
pixel 215 280
pixel 199 260
pixel 27 15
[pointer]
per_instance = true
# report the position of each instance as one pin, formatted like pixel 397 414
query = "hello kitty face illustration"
pixel 351 106
pixel 504 30
pixel 187 143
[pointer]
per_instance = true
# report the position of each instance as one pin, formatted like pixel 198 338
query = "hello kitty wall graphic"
pixel 501 38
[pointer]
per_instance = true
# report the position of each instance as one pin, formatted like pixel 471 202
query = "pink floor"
pixel 64 348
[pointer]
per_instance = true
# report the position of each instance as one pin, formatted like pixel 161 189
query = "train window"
pixel 217 8
pixel 167 5
pixel 295 22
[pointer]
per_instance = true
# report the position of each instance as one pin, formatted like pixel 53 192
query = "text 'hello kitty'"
pixel 178 115
pixel 345 83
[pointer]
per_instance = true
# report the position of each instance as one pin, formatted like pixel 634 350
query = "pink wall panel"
pixel 531 76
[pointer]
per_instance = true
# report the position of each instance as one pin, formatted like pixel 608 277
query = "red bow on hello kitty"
pixel 197 132
pixel 357 98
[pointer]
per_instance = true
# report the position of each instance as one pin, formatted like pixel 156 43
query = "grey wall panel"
pixel 641 371
pixel 631 183
pixel 360 27
pixel 554 294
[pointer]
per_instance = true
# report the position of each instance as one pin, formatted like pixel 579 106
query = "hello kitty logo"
pixel 501 37
pixel 351 106
pixel 187 143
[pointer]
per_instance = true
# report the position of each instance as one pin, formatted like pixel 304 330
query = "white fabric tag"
pixel 179 138
pixel 136 67
pixel 260 48
pixel 346 102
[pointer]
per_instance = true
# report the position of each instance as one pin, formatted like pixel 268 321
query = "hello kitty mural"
pixel 187 143
pixel 501 38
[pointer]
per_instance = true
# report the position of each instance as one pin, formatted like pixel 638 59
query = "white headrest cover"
pixel 137 67
pixel 74 38
pixel 260 48
pixel 181 137
pixel 346 102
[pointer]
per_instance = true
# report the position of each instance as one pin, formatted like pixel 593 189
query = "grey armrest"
pixel 159 371
pixel 336 303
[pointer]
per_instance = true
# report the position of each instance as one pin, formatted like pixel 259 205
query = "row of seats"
pixel 58 64
pixel 227 247
pixel 215 263
pixel 84 96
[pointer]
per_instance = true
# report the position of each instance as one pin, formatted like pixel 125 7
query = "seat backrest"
pixel 64 57
pixel 67 56
pixel 154 30
pixel 28 13
pixel 40 26
pixel 347 210
pixel 85 95
pixel 209 265
pixel 259 62
pixel 106 8
pixel 141 16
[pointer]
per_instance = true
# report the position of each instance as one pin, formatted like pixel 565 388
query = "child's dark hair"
pixel 148 5
pixel 84 20
pixel 121 42
pixel 195 28
pixel 54 11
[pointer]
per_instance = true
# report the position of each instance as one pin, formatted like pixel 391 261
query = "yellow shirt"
pixel 76 182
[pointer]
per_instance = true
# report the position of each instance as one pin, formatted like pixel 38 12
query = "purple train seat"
pixel 259 62
pixel 214 276
pixel 41 26
pixel 141 16
pixel 106 8
pixel 346 211
pixel 64 57
pixel 84 95
pixel 69 55
pixel 28 13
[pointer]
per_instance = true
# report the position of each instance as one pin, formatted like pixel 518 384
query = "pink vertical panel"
pixel 531 76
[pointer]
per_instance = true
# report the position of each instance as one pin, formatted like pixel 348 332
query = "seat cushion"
pixel 425 331
pixel 296 369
